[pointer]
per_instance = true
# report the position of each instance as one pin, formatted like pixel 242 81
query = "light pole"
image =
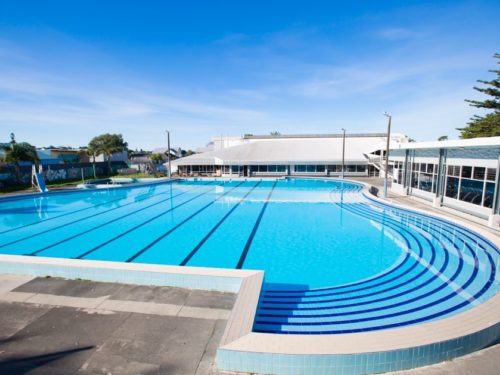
pixel 343 152
pixel 168 154
pixel 387 152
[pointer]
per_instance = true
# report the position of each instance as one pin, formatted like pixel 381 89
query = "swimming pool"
pixel 335 261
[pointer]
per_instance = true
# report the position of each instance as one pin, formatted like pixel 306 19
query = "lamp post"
pixel 343 152
pixel 168 155
pixel 387 152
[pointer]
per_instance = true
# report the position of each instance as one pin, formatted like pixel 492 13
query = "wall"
pixel 56 173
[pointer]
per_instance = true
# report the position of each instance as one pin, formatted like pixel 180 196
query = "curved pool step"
pixel 423 287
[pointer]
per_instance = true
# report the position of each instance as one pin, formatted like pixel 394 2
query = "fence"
pixel 56 172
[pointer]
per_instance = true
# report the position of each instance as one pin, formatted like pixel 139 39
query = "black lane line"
pixel 136 227
pixel 71 213
pixel 91 217
pixel 254 230
pixel 158 239
pixel 209 234
pixel 113 221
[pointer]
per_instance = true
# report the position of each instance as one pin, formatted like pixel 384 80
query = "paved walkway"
pixel 56 326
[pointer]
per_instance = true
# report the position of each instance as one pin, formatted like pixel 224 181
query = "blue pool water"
pixel 335 261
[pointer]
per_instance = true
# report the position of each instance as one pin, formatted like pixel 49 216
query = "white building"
pixel 461 174
pixel 280 155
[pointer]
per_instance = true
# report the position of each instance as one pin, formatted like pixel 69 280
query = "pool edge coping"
pixel 221 279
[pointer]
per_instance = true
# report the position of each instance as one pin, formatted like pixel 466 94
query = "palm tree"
pixel 17 152
pixel 107 144
pixel 93 153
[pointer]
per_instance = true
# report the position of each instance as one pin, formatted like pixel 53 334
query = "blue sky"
pixel 70 70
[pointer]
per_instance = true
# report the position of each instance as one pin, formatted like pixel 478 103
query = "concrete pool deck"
pixel 66 326
pixel 58 326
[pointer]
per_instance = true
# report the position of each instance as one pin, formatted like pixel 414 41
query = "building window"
pixel 454 170
pixel 310 168
pixel 489 192
pixel 491 174
pixel 479 173
pixel 452 187
pixel 300 168
pixel 281 168
pixel 471 191
pixel 466 172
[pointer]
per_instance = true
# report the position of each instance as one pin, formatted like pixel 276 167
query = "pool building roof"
pixel 293 149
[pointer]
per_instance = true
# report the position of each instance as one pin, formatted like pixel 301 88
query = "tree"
pixel 107 144
pixel 488 125
pixel 443 138
pixel 157 158
pixel 17 152
pixel 275 133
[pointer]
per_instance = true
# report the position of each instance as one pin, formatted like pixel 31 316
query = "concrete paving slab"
pixel 10 282
pixel 62 338
pixel 62 287
pixel 67 301
pixel 207 365
pixel 177 344
pixel 483 362
pixel 214 300
pixel 170 295
pixel 203 313
pixel 43 337
pixel 16 296
pixel 14 317
pixel 105 364
pixel 43 364
pixel 141 307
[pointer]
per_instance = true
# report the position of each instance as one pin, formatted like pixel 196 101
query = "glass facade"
pixel 466 173
pixel 471 184
pixel 423 176
pixel 281 169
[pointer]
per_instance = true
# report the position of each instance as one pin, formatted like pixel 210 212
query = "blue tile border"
pixel 85 270
pixel 355 364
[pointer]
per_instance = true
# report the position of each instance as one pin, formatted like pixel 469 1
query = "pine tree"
pixel 489 125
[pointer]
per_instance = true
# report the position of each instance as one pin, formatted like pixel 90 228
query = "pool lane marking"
pixel 97 214
pixel 216 226
pixel 178 225
pixel 115 220
pixel 76 211
pixel 244 254
pixel 136 227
